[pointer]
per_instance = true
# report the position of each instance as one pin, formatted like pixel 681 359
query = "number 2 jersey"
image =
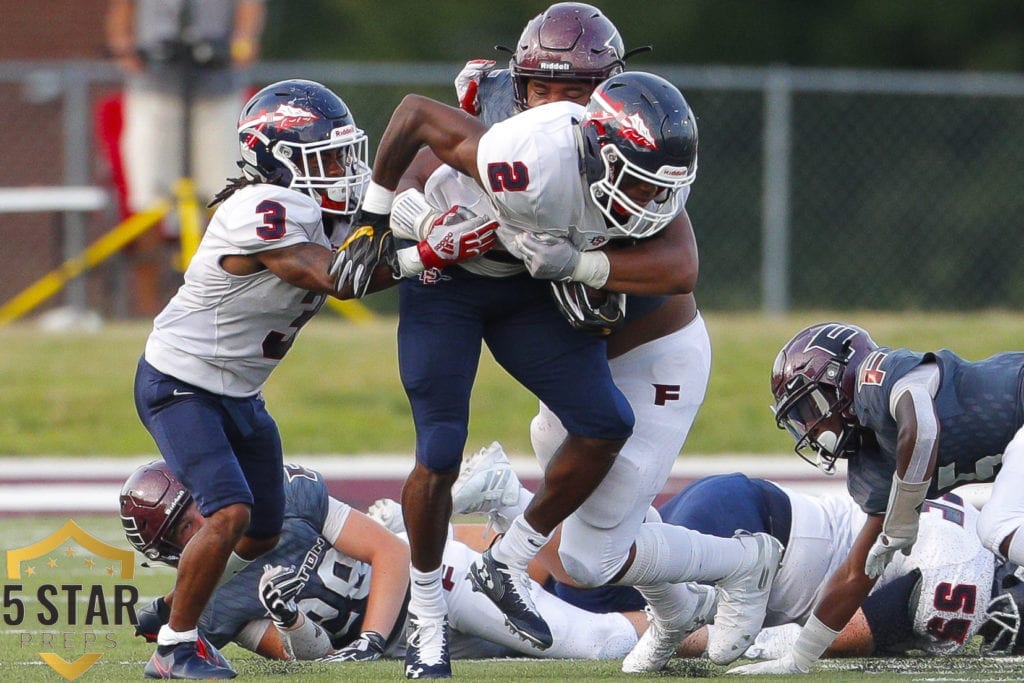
pixel 979 406
pixel 226 333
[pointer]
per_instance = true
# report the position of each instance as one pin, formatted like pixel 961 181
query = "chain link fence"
pixel 817 188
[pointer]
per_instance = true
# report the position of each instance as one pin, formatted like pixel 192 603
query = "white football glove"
pixel 883 550
pixel 773 642
pixel 547 257
pixel 467 84
pixel 784 665
pixel 277 591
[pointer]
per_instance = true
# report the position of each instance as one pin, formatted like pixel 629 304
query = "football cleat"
pixel 509 591
pixel 487 484
pixel 426 651
pixel 387 513
pixel 196 659
pixel 743 599
pixel 658 643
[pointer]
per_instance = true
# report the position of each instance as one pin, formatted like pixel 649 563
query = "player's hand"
pixel 369 245
pixel 457 235
pixel 593 311
pixel 467 84
pixel 883 550
pixel 783 665
pixel 368 647
pixel 547 257
pixel 277 591
pixel 150 618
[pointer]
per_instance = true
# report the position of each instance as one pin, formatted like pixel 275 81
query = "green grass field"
pixel 123 656
pixel 338 390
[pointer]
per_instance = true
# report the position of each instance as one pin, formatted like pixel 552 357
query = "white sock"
pixel 425 597
pixel 666 553
pixel 519 545
pixel 234 565
pixel 168 636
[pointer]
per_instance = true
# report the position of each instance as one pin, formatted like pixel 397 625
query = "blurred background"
pixel 854 155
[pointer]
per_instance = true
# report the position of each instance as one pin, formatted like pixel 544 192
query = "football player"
pixel 659 350
pixel 637 138
pixel 910 426
pixel 336 584
pixel 936 599
pixel 263 268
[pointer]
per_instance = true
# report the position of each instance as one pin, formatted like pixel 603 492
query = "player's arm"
pixel 450 133
pixel 917 443
pixel 365 540
pixel 665 263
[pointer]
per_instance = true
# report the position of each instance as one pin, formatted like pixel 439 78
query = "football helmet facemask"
pixel 300 135
pixel 1001 631
pixel 152 502
pixel 569 41
pixel 813 380
pixel 638 130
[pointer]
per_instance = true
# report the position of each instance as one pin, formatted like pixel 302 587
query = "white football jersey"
pixel 956 571
pixel 530 166
pixel 226 333
pixel 956 577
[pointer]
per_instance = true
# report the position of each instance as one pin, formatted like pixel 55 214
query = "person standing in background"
pixel 178 55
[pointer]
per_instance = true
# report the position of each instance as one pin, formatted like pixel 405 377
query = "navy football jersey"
pixel 336 586
pixel 979 409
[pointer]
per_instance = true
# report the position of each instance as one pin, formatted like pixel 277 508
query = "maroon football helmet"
pixel 569 41
pixel 152 502
pixel 813 378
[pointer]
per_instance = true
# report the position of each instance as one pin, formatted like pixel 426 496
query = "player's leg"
pixel 439 340
pixel 1002 516
pixel 189 428
pixel 576 634
pixel 569 372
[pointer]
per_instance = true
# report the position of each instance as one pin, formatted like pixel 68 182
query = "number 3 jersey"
pixel 978 404
pixel 226 333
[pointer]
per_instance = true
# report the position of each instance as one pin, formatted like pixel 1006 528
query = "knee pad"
pixel 585 571
pixel 546 435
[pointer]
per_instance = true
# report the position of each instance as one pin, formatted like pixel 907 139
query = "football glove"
pixel 883 550
pixel 589 310
pixel 784 665
pixel 368 647
pixel 467 83
pixel 150 618
pixel 369 245
pixel 457 235
pixel 546 256
pixel 277 591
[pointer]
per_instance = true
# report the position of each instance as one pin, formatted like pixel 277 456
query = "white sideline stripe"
pixel 58 484
pixel 371 465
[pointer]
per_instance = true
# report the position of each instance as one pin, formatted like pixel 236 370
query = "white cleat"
pixel 743 599
pixel 487 484
pixel 659 642
pixel 388 513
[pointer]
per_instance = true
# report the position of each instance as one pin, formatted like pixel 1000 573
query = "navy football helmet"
pixel 569 41
pixel 1001 632
pixel 813 378
pixel 152 502
pixel 299 134
pixel 638 128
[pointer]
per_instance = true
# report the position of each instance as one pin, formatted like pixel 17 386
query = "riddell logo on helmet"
pixel 67 585
pixel 556 66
